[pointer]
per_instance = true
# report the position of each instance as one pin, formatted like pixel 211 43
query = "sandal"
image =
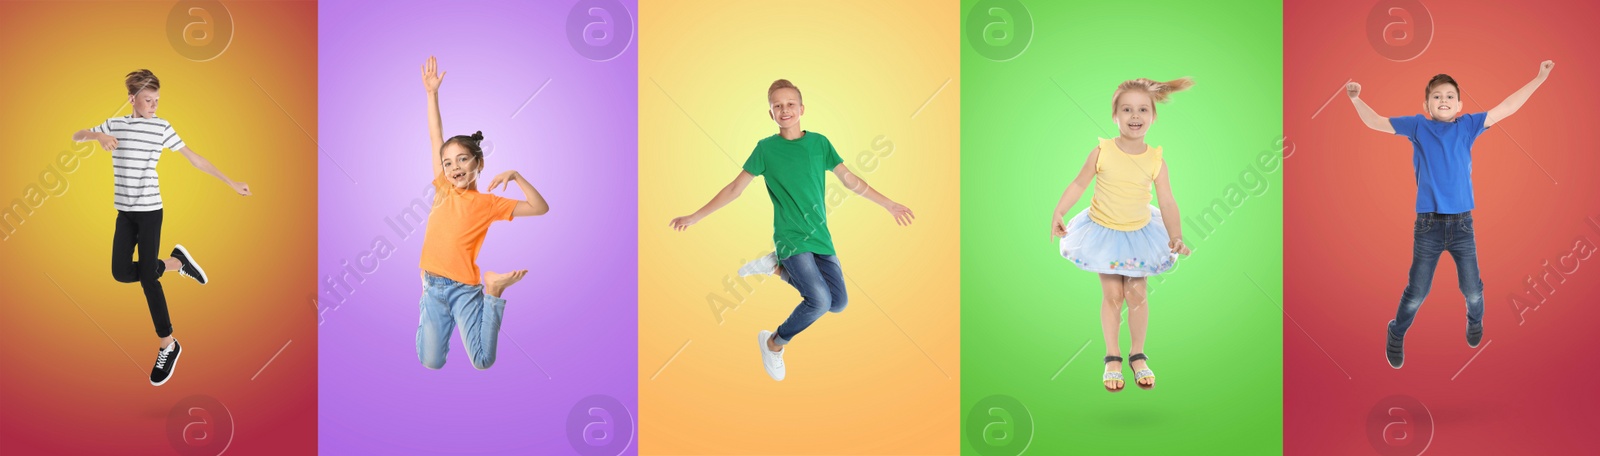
pixel 1110 376
pixel 1142 373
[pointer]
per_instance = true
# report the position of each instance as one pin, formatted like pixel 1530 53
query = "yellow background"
pixel 884 375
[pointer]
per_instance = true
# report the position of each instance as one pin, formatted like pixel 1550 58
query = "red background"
pixel 1350 200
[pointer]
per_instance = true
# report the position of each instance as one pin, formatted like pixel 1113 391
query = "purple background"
pixel 575 314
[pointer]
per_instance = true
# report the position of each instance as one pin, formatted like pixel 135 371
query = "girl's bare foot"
pixel 495 283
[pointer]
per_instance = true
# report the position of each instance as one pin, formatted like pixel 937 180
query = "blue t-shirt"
pixel 1442 154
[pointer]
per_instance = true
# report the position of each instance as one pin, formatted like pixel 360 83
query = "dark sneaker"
pixel 1474 334
pixel 191 269
pixel 1396 350
pixel 166 362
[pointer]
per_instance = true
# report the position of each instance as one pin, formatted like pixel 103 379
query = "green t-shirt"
pixel 794 171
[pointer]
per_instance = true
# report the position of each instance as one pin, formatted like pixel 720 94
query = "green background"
pixel 1215 337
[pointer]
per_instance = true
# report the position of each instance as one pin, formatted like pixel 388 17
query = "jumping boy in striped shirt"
pixel 135 142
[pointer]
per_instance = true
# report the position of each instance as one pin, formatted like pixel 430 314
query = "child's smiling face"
pixel 785 108
pixel 460 167
pixel 144 103
pixel 1135 113
pixel 1443 103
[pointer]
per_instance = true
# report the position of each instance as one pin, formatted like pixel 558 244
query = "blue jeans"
pixel 446 303
pixel 821 286
pixel 1434 234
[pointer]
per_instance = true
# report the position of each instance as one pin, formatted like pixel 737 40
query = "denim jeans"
pixel 1435 234
pixel 821 286
pixel 447 303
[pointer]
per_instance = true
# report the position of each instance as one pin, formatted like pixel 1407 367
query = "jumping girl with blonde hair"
pixel 1121 236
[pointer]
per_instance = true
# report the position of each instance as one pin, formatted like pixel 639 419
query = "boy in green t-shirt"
pixel 793 162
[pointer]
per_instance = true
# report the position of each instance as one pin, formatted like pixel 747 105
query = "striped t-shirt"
pixel 139 144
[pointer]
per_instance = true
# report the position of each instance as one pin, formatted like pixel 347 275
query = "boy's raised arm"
pixel 431 78
pixel 1514 102
pixel 1368 116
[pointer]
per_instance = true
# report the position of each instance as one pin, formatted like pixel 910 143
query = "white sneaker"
pixel 772 360
pixel 765 265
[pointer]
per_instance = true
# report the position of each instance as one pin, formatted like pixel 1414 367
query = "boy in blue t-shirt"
pixel 1441 143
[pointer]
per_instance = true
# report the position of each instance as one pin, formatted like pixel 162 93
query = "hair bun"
pixel 477 136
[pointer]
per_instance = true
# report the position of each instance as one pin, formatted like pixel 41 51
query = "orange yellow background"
pixel 883 377
pixel 75 375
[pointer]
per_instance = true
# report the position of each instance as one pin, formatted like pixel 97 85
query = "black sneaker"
pixel 166 362
pixel 190 269
pixel 1396 350
pixel 1474 334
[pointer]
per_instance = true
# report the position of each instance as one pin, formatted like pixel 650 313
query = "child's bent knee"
pixel 124 276
pixel 821 300
pixel 433 364
pixel 839 302
pixel 483 365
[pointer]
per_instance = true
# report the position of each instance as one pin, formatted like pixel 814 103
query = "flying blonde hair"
pixel 1159 91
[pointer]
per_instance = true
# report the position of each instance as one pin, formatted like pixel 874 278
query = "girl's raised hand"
pixel 502 180
pixel 431 77
pixel 1545 67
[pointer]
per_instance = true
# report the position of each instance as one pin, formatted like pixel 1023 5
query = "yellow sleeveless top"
pixel 1122 184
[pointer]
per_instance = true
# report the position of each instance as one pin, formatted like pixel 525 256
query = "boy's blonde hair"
pixel 785 84
pixel 1159 91
pixel 140 80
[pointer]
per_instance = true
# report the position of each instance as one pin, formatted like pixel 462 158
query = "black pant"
pixel 142 229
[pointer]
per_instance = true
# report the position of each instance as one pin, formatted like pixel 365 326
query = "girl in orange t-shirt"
pixel 452 294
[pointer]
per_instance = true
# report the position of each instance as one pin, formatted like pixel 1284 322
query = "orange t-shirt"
pixel 456 227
